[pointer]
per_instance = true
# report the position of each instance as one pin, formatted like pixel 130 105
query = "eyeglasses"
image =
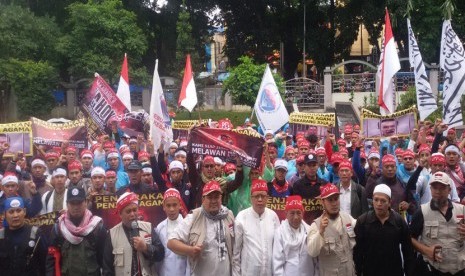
pixel 259 197
pixel 209 166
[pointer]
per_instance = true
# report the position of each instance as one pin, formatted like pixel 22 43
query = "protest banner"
pixel 181 127
pixel 133 123
pixel 53 135
pixel 312 208
pixel 311 123
pixel 227 144
pixel 400 123
pixel 17 136
pixel 150 209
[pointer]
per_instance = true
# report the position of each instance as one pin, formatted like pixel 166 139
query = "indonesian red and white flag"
pixel 387 68
pixel 123 86
pixel 188 95
pixel 160 124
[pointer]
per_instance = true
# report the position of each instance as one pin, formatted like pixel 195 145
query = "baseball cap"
pixel 210 187
pixel 134 165
pixel 280 164
pixel 440 177
pixel 310 158
pixel 328 190
pixel 76 194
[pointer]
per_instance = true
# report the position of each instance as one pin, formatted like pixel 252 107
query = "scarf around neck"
pixel 75 234
pixel 220 231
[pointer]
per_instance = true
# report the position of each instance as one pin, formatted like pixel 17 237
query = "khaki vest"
pixel 122 250
pixel 436 230
pixel 198 230
pixel 336 255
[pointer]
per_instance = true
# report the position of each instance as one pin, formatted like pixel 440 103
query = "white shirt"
pixel 345 198
pixel 290 256
pixel 424 190
pixel 209 262
pixel 172 264
pixel 253 248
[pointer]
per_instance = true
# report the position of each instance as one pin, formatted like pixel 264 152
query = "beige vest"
pixel 122 250
pixel 436 230
pixel 198 230
pixel 336 255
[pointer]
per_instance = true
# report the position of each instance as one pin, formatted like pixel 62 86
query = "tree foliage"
pixel 97 35
pixel 244 81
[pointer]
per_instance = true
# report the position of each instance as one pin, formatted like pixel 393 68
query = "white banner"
pixel 425 99
pixel 269 106
pixel 452 62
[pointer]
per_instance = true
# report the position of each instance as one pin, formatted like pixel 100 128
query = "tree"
pixel 98 33
pixel 244 81
pixel 28 59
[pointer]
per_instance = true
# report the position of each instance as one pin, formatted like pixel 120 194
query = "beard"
pixel 438 203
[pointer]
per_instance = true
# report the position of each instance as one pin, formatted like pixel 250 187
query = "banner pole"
pixel 251 115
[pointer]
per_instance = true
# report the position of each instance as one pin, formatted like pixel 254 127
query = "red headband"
pixel 259 185
pixel 294 202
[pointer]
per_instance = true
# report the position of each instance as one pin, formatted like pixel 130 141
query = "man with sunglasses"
pixel 254 232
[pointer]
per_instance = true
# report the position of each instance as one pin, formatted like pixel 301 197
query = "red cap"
pixel 408 153
pixel 87 153
pixel 229 167
pixel 451 131
pixel 320 151
pixel 347 129
pixel 110 173
pixel 336 158
pixel 171 192
pixel 304 143
pixel 345 165
pixel 74 165
pixel 341 142
pixel 143 154
pixel 208 159
pixel 388 159
pixel 259 185
pixel 94 147
pixel 126 199
pixel 328 190
pixel 57 150
pixel 357 128
pixel 294 202
pixel 343 150
pixel 399 152
pixel 108 145
pixel 424 148
pixel 429 138
pixel 71 149
pixel 211 186
pixel 289 148
pixel 52 154
pixel 438 158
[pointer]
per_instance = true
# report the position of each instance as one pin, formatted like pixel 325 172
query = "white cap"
pixel 180 152
pixel 59 171
pixel 183 143
pixel 269 131
pixel 440 177
pixel 280 164
pixel 38 162
pixel 127 155
pixel 175 164
pixel 173 145
pixel 383 189
pixel 97 171
pixel 373 154
pixel 146 170
pixel 218 161
pixel 9 178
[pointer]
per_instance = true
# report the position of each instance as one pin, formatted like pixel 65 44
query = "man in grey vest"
pixel 78 237
pixel 331 237
pixel 131 247
pixel 438 230
pixel 206 235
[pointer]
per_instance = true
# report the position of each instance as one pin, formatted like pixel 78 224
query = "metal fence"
pixel 366 82
pixel 305 92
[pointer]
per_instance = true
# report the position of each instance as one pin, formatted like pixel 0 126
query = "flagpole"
pixel 251 115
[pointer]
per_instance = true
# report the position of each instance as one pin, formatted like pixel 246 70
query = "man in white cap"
pixel 438 230
pixel 172 264
pixel 279 187
pixel 254 233
pixel 97 179
pixel 379 234
pixel 55 200
pixel 219 164
pixel 206 235
pixel 171 150
pixel 331 237
pixel 131 247
pixel 11 188
pixel 290 256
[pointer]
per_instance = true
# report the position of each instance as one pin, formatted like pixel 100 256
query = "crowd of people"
pixel 390 206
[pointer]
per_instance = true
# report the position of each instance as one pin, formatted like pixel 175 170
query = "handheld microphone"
pixel 134 231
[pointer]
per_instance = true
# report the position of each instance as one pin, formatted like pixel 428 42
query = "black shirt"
pixel 416 226
pixel 377 246
pixel 307 188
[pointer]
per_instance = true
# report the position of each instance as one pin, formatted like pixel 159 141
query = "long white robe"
pixel 253 248
pixel 173 264
pixel 290 256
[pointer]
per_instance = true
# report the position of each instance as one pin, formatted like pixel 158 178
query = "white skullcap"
pixel 173 145
pixel 59 171
pixel 38 162
pixel 383 189
pixel 180 152
pixel 175 165
pixel 97 171
pixel 218 161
